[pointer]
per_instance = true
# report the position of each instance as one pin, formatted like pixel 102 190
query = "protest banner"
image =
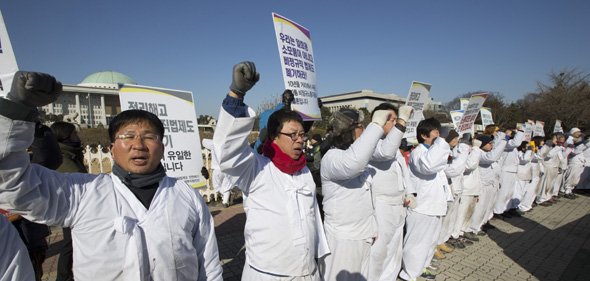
pixel 486 117
pixel 558 128
pixel 417 98
pixel 298 66
pixel 183 157
pixel 528 130
pixel 539 129
pixel 470 114
pixel 8 64
pixel 464 102
pixel 456 116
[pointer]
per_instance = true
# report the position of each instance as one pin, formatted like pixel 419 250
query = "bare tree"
pixel 566 97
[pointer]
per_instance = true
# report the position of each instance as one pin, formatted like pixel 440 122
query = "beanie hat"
pixel 485 139
pixel 316 137
pixel 343 119
pixel 452 134
pixel 574 130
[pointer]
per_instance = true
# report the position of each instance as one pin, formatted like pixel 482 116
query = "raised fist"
pixel 34 89
pixel 244 77
pixel 287 98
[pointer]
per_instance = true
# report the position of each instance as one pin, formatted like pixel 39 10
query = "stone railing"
pixel 99 160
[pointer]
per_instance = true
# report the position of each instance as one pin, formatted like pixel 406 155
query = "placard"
pixel 456 116
pixel 182 146
pixel 8 64
pixel 464 103
pixel 528 130
pixel 470 114
pixel 417 98
pixel 558 128
pixel 298 65
pixel 539 129
pixel 486 117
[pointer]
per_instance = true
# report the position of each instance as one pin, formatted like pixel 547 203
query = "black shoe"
pixel 546 204
pixel 498 217
pixel 427 275
pixel 488 226
pixel 465 241
pixel 535 204
pixel 506 215
pixel 471 236
pixel 570 196
pixel 456 243
pixel 514 213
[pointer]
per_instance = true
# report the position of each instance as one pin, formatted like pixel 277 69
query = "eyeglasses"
pixel 128 138
pixel 295 136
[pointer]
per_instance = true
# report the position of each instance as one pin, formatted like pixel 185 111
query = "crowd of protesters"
pixel 359 205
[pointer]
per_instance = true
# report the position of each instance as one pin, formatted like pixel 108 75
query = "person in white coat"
pixel 14 257
pixel 390 175
pixel 584 183
pixel 508 177
pixel 576 162
pixel 536 167
pixel 469 197
pixel 551 155
pixel 349 211
pixel 429 184
pixel 283 232
pixel 136 224
pixel 454 172
pixel 491 152
pixel 524 175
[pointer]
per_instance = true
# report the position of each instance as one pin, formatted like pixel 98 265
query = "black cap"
pixel 316 137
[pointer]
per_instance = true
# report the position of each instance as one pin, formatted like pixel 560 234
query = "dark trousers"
pixel 37 259
pixel 65 262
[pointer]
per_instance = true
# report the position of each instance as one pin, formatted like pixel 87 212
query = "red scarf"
pixel 283 161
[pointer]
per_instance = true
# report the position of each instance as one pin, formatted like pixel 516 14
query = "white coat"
pixel 428 179
pixel 283 229
pixel 115 236
pixel 454 170
pixel 471 181
pixel 14 257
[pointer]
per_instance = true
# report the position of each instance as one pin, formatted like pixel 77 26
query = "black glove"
pixel 466 139
pixel 550 143
pixel 244 77
pixel 205 173
pixel 34 89
pixel 287 98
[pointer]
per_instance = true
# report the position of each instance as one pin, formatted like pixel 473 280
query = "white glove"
pixel 410 201
pixel 380 117
pixel 476 143
pixel 405 111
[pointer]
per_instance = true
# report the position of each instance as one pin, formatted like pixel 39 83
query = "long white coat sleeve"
pixel 433 161
pixel 14 257
pixel 352 162
pixel 459 158
pixel 388 147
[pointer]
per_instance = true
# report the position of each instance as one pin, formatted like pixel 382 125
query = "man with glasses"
pixel 283 232
pixel 136 224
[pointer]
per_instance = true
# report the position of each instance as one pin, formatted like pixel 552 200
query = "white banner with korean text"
pixel 8 64
pixel 558 128
pixel 539 129
pixel 528 130
pixel 456 116
pixel 470 114
pixel 417 98
pixel 182 145
pixel 486 117
pixel 464 103
pixel 298 65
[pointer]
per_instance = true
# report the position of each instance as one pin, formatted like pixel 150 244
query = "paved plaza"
pixel 548 243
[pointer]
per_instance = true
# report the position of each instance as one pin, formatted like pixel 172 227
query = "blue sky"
pixel 457 46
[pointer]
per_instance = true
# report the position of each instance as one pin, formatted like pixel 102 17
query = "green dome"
pixel 106 79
